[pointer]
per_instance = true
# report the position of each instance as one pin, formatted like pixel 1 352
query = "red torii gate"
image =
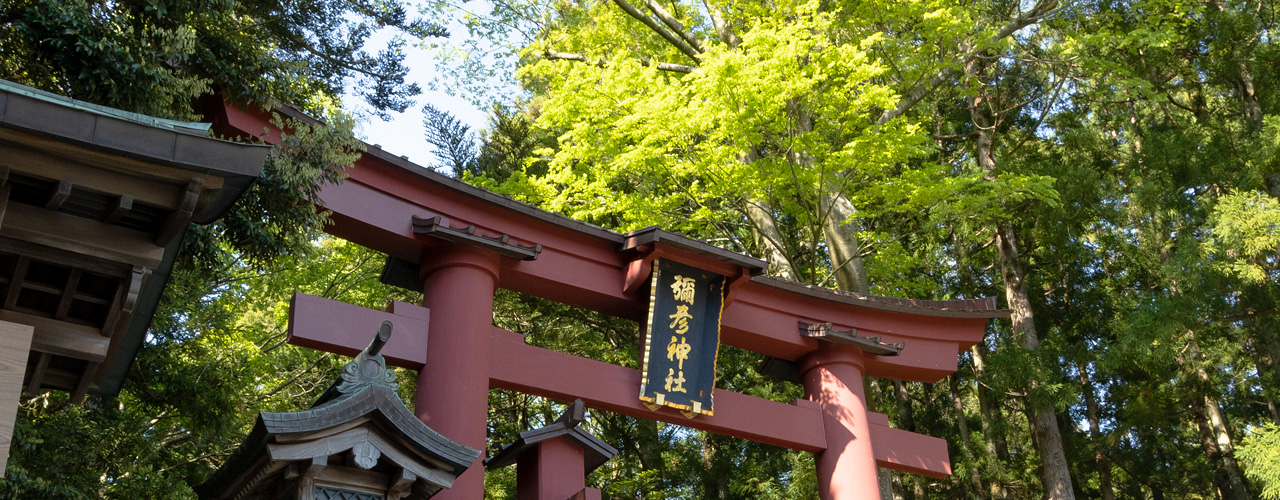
pixel 469 242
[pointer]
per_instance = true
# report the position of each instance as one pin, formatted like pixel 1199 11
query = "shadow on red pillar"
pixel 847 468
pixel 458 282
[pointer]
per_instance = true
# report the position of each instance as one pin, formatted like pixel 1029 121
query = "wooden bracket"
pixel 871 345
pixel 438 227
pixel 400 484
pixel 638 271
pixel 59 195
pixel 122 206
pixel 135 288
pixel 733 286
pixel 181 216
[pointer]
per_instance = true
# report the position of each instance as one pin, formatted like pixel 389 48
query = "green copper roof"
pixel 151 121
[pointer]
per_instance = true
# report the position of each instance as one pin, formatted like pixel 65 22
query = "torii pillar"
pixel 847 468
pixel 458 283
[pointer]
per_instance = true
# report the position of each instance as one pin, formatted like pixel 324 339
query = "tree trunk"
pixel 1215 432
pixel 992 431
pixel 648 442
pixel 1095 435
pixel 1266 353
pixel 841 234
pixel 907 421
pixel 715 485
pixel 962 421
pixel 906 417
pixel 1211 452
pixel 769 238
pixel 1248 97
pixel 1043 418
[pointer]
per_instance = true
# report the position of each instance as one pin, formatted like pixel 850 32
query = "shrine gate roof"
pixel 985 307
pixel 592 267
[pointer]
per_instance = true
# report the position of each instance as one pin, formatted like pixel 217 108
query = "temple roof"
pixel 97 202
pixel 363 396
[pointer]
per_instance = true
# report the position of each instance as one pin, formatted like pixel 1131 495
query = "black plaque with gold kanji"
pixel 681 338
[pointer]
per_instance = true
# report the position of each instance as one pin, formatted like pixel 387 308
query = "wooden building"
pixel 94 202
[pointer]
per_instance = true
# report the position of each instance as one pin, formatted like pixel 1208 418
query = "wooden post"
pixel 551 471
pixel 847 468
pixel 458 282
pixel 15 344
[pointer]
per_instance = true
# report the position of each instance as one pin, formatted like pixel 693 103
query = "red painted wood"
pixel 552 471
pixel 588 273
pixel 583 272
pixel 847 468
pixel 517 366
pixel 453 385
pixel 374 206
pixel 333 326
pixel 251 123
pixel 584 267
pixel 907 451
pixel 543 372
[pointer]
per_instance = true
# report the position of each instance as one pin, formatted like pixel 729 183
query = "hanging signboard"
pixel 681 338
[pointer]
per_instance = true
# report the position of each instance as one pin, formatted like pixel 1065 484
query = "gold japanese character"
pixel 684 288
pixel 675 382
pixel 678 352
pixel 680 320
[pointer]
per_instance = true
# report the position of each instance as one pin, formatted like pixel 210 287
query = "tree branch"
pixel 723 30
pixel 674 24
pixel 1038 12
pixel 644 61
pixel 659 29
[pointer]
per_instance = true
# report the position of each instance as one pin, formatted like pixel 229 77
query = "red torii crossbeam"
pixel 469 242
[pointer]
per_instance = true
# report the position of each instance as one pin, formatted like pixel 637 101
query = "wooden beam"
pixel 106 173
pixel 907 451
pixel 68 294
pixel 565 377
pixel 181 216
pixel 37 375
pixel 59 195
pixel 79 235
pixel 333 326
pixel 15 344
pixel 116 308
pixel 122 206
pixel 15 283
pixel 330 325
pixel 64 257
pixel 82 387
pixel 59 337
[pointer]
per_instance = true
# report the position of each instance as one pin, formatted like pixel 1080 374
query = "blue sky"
pixel 403 134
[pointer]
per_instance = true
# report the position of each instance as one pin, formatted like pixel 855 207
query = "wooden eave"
pixel 374 414
pixel 594 451
pixel 387 406
pixel 93 205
